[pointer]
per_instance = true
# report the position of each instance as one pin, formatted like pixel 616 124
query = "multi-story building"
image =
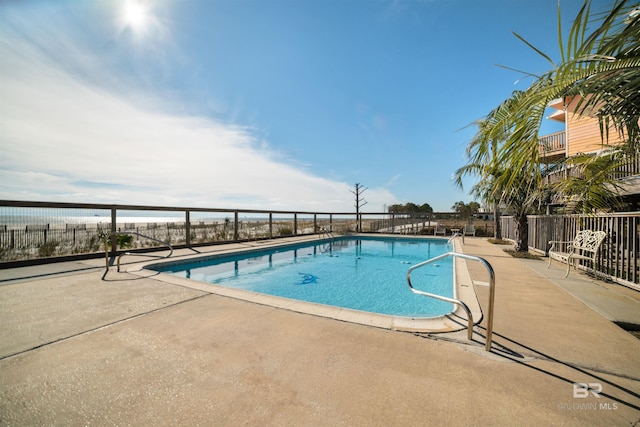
pixel 582 135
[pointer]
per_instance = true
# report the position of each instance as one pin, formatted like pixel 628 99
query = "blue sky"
pixel 264 104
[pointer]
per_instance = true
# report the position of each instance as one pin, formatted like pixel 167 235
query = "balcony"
pixel 628 168
pixel 552 147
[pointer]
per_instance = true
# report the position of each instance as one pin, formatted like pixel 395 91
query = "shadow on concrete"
pixel 505 351
pixel 128 277
pixel 509 352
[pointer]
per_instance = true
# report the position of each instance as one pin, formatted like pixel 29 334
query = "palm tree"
pixel 592 187
pixel 515 188
pixel 482 153
pixel 603 67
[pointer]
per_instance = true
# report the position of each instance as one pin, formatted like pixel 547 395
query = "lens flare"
pixel 135 15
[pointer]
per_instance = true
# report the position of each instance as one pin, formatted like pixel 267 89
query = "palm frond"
pixel 602 68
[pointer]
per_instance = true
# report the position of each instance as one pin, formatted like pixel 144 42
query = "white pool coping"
pixel 454 321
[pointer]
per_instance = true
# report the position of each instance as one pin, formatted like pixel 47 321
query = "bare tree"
pixel 360 202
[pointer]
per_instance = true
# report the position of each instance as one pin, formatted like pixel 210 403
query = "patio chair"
pixel 469 230
pixel 440 229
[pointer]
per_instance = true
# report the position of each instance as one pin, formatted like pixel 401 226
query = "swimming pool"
pixel 366 274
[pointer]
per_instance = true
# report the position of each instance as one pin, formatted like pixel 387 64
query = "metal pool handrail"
pixel 492 285
pixel 146 237
pixel 326 232
pixel 443 298
pixel 454 236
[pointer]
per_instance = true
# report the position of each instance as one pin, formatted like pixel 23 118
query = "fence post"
pixel 187 226
pixel 113 231
pixel 270 225
pixel 235 225
pixel 295 224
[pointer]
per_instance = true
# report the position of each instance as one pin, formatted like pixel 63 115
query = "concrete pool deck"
pixel 81 347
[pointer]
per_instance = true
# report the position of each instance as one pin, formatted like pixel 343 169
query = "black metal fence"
pixel 43 230
pixel 619 257
pixel 33 230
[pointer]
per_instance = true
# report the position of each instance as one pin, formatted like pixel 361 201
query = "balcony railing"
pixel 628 168
pixel 552 145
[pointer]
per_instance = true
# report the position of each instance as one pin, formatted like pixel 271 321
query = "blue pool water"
pixel 366 274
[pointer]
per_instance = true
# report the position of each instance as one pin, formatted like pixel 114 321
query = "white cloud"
pixel 65 139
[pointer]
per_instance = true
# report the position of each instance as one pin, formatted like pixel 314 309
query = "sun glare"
pixel 135 14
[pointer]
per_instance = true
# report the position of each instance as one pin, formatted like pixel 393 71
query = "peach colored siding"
pixel 584 135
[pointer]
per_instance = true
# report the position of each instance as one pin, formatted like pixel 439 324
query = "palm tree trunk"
pixel 497 226
pixel 522 233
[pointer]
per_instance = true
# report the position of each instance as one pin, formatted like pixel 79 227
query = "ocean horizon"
pixel 54 221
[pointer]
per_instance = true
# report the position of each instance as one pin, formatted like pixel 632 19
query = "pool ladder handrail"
pixel 456 234
pixel 492 285
pixel 328 232
pixel 138 254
